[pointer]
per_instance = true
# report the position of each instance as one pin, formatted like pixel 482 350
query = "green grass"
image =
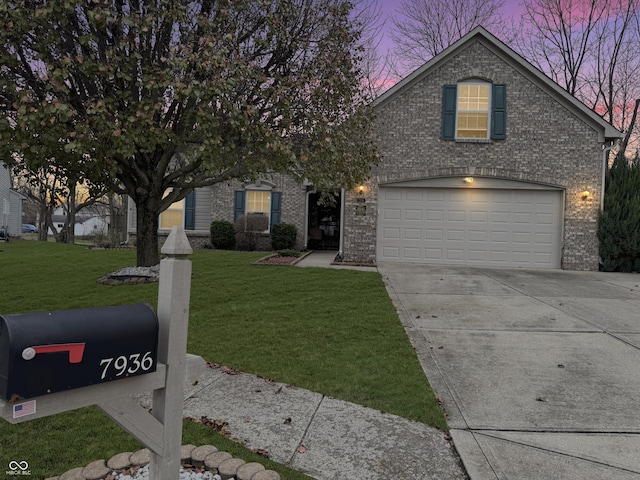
pixel 330 331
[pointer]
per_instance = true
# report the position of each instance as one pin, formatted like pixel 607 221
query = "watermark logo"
pixel 18 468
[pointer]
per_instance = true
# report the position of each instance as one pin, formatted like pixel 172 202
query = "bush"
pixel 619 223
pixel 223 235
pixel 248 230
pixel 283 236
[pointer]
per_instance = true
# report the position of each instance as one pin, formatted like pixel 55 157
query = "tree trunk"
pixel 70 224
pixel 147 230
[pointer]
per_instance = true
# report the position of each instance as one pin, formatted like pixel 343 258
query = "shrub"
pixel 248 230
pixel 619 223
pixel 223 235
pixel 283 236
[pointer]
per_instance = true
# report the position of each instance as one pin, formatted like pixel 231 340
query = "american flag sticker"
pixel 24 409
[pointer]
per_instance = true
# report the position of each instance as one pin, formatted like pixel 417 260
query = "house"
pixel 90 221
pixel 10 204
pixel 485 162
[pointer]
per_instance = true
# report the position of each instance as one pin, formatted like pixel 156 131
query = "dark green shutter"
pixel 499 112
pixel 276 200
pixel 238 206
pixel 449 93
pixel 190 211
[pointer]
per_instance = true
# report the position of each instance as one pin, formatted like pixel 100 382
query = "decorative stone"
pixel 229 468
pixel 96 470
pixel 119 461
pixel 185 453
pixel 213 460
pixel 74 474
pixel 248 470
pixel 266 475
pixel 141 457
pixel 199 454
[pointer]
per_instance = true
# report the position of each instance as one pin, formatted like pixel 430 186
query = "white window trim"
pixel 474 139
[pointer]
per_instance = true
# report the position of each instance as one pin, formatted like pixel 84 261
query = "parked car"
pixel 28 228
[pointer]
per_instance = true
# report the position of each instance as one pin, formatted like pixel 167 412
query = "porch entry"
pixel 323 228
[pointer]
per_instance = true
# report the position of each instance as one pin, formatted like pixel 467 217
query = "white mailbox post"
pixel 160 430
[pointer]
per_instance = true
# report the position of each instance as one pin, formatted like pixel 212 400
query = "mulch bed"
pixel 277 259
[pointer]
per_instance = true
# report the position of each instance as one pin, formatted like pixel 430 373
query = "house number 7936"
pixel 127 365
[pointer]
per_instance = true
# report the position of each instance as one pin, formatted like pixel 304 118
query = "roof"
pixel 606 131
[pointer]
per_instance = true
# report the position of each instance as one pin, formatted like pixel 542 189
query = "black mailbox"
pixel 49 352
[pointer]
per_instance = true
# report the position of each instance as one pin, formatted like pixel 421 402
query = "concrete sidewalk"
pixel 325 259
pixel 538 369
pixel 325 438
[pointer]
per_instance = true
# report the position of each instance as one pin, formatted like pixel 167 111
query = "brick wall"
pixel 546 143
pixel 294 197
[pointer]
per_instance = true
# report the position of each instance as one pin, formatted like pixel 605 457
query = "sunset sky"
pixel 511 9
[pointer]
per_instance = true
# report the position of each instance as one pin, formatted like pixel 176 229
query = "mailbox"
pixel 48 352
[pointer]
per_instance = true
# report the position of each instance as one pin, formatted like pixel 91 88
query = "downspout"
pixel 605 162
pixel 341 243
pixel 306 220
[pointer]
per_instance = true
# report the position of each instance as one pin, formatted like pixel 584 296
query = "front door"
pixel 323 230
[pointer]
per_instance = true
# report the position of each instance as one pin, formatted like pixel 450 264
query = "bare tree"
pixel 50 186
pixel 375 64
pixel 424 28
pixel 590 49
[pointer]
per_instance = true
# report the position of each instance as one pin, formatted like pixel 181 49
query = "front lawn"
pixel 330 331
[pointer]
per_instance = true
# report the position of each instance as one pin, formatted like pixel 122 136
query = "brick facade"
pixel 293 207
pixel 546 143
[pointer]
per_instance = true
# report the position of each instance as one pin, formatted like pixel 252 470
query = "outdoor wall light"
pixel 586 194
pixel 467 179
pixel 361 190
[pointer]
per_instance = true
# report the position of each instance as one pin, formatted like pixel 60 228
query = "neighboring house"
pixel 10 204
pixel 90 221
pixel 485 161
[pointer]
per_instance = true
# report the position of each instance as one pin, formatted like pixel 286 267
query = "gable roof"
pixel 606 132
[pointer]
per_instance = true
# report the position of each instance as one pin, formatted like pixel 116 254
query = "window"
pixel 474 110
pixel 172 216
pixel 258 202
pixel 180 213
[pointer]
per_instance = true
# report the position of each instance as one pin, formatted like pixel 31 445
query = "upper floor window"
pixel 474 110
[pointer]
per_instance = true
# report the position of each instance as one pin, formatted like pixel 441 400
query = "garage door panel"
pixel 415 195
pixel 434 234
pixel 435 215
pixel 391 214
pixel 412 233
pixel 413 214
pixel 479 216
pixel 456 215
pixel 470 226
pixel 412 253
pixel 478 236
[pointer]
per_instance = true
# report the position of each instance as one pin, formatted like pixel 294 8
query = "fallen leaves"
pixel 222 368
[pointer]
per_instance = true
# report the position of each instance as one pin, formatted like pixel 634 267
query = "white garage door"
pixel 491 227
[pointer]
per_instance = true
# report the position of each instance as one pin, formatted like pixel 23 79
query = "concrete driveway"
pixel 538 371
